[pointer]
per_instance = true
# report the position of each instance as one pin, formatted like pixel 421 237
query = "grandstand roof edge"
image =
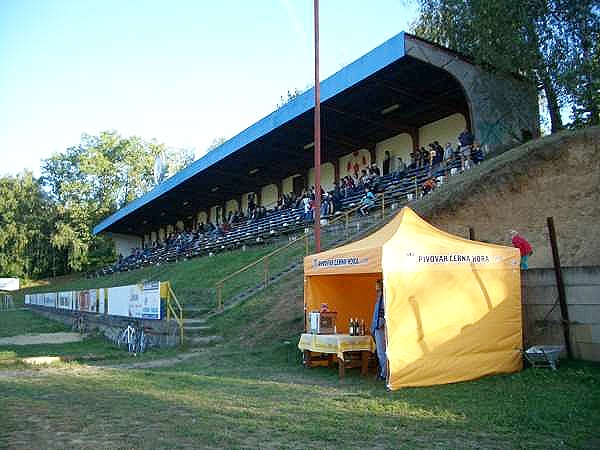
pixel 388 52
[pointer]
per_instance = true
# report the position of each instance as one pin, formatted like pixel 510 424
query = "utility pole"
pixel 317 136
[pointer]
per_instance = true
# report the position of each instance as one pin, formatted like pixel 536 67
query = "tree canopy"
pixel 47 223
pixel 552 42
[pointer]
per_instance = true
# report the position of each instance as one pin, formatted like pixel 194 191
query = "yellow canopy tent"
pixel 452 306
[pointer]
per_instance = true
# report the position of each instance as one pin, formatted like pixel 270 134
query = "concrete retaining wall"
pixel 166 334
pixel 541 310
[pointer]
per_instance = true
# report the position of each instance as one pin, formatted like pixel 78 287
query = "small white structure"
pixel 9 284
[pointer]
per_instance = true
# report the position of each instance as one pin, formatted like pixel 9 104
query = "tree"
pixel 217 142
pixel 538 39
pixel 91 181
pixel 26 218
pixel 178 159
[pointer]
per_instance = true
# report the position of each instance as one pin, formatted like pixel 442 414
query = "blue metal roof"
pixel 378 58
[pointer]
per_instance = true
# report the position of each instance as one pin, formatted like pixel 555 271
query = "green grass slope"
pixel 192 280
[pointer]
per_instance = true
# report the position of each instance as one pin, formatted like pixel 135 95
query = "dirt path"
pixel 164 362
pixel 45 338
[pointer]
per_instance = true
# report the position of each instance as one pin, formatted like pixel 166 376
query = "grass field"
pixel 193 280
pixel 252 392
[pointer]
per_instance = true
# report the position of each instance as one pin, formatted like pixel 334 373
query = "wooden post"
pixel 562 296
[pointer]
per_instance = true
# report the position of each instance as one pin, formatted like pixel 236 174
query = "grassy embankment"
pixel 252 392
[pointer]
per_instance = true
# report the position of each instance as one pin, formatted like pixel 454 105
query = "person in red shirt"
pixel 524 247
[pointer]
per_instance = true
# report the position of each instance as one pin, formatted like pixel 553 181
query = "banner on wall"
pixel 65 300
pixel 49 299
pixel 139 301
pixel 87 300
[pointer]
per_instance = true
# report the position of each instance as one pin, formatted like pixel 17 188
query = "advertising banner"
pixel 86 300
pixel 141 301
pixel 65 300
pixel 49 299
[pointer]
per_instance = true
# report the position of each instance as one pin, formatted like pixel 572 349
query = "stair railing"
pixel 267 267
pixel 175 310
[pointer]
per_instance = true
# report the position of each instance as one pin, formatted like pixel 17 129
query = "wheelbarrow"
pixel 543 355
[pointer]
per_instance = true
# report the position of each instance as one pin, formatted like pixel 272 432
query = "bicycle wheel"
pixel 141 341
pixel 121 340
pixel 82 325
pixel 132 340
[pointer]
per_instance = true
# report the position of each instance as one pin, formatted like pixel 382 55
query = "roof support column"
pixel 373 155
pixel 336 170
pixel 258 194
pixel 414 135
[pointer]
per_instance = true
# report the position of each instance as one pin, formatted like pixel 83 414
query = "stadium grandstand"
pixel 394 121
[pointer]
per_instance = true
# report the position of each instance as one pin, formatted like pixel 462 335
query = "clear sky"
pixel 182 71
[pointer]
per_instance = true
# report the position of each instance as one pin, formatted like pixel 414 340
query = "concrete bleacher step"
pixel 196 330
pixel 198 341
pixel 194 321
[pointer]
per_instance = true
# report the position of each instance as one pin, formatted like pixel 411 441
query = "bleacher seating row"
pixel 275 224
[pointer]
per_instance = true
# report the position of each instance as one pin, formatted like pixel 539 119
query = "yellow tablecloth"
pixel 335 343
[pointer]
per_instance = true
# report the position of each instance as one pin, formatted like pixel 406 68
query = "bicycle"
pixel 129 337
pixel 79 323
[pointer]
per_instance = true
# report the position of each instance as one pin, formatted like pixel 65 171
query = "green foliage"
pixel 93 180
pixel 217 142
pixel 46 224
pixel 552 42
pixel 26 217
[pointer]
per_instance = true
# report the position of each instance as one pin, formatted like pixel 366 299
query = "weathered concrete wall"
pixel 541 310
pixel 557 177
pixel 500 105
pixel 166 333
pixel 124 242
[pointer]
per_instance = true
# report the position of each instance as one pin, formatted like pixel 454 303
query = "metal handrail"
pixel 346 214
pixel 264 259
pixel 171 310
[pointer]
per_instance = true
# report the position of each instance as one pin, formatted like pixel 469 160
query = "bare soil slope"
pixel 557 176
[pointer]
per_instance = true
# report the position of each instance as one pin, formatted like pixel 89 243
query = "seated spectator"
pixel 466 138
pixel 476 153
pixel 336 197
pixel 439 152
pixel 307 205
pixel 367 202
pixel 400 169
pixel 251 203
pixel 414 157
pixel 364 179
pixel 326 206
pixel 448 152
pixel 428 186
pixel 432 155
pixel 423 157
pixel 374 170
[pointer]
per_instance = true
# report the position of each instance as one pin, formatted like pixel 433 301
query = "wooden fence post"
pixel 562 296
